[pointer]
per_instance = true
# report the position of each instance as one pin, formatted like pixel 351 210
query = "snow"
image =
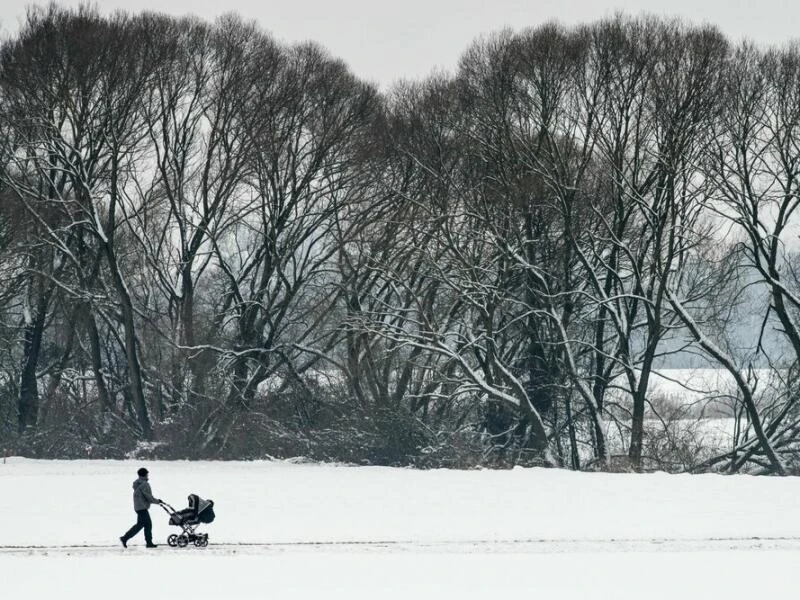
pixel 691 385
pixel 292 530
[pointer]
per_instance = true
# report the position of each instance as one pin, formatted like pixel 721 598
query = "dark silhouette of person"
pixel 142 499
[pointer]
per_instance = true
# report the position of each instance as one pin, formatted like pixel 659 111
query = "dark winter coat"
pixel 142 495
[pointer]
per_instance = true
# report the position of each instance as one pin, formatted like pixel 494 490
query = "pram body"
pixel 198 512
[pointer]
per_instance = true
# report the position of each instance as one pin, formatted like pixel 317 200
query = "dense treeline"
pixel 216 245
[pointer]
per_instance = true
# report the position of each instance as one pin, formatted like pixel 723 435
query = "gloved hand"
pixel 159 501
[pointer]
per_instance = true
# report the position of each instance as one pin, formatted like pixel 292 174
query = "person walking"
pixel 142 499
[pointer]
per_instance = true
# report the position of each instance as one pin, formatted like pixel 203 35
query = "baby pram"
pixel 188 519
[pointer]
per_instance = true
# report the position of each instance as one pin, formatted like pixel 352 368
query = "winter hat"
pixel 142 472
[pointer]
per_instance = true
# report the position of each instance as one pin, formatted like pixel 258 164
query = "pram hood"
pixel 198 505
pixel 199 511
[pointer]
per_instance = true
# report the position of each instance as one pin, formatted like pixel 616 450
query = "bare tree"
pixel 753 170
pixel 653 125
pixel 305 125
pixel 73 148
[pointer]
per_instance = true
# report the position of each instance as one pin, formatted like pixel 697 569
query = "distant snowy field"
pixel 288 530
pixel 691 385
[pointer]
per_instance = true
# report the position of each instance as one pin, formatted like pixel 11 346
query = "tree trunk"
pixel 637 428
pixel 28 401
pixel 97 362
pixel 573 439
pixel 135 380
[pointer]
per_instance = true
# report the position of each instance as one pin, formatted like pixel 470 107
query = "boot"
pixel 124 541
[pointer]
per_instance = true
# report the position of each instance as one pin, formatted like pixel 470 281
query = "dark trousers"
pixel 142 522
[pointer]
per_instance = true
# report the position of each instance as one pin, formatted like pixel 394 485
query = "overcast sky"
pixel 384 41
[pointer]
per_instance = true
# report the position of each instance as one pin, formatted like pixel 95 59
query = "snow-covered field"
pixel 302 531
pixel 706 392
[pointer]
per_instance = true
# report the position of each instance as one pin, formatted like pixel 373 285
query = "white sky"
pixel 383 41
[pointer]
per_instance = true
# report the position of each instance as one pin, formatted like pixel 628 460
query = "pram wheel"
pixel 172 540
pixel 182 541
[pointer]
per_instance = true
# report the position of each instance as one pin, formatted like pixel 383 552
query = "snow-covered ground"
pixel 694 385
pixel 702 391
pixel 300 531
